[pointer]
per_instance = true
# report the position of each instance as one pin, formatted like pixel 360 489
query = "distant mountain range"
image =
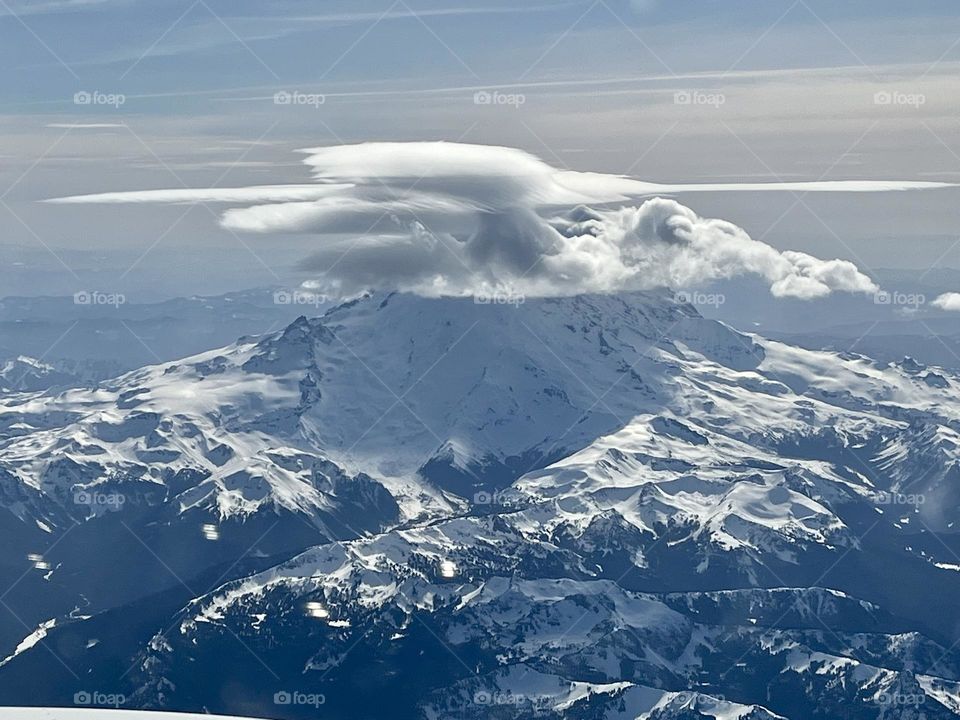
pixel 58 342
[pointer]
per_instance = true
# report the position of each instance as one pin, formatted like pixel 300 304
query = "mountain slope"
pixel 579 507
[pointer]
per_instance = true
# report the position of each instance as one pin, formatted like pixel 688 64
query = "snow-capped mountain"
pixel 588 507
pixel 26 374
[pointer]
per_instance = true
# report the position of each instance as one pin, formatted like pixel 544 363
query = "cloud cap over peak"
pixel 442 218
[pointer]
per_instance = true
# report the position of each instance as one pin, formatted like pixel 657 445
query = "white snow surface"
pixel 652 418
pixel 653 410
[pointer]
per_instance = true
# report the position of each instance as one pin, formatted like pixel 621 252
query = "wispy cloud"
pixel 85 126
pixel 25 7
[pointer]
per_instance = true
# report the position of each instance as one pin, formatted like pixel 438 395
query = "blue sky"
pixel 163 46
pixel 598 82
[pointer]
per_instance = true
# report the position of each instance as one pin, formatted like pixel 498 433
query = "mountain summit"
pixel 594 506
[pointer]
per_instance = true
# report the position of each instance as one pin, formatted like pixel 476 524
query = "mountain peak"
pixel 499 470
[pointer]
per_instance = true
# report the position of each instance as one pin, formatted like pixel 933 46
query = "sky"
pixel 119 95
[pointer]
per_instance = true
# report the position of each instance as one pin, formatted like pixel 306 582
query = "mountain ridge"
pixel 422 467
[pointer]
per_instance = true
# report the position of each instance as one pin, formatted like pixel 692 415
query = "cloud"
pixel 253 194
pixel 440 218
pixel 21 7
pixel 948 301
pixel 85 126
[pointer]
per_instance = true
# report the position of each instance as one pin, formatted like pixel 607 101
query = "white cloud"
pixel 253 194
pixel 948 301
pixel 448 218
pixel 85 126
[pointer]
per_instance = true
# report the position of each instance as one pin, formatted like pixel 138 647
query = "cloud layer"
pixel 455 219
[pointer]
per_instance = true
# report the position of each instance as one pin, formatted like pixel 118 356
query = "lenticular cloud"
pixel 454 219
